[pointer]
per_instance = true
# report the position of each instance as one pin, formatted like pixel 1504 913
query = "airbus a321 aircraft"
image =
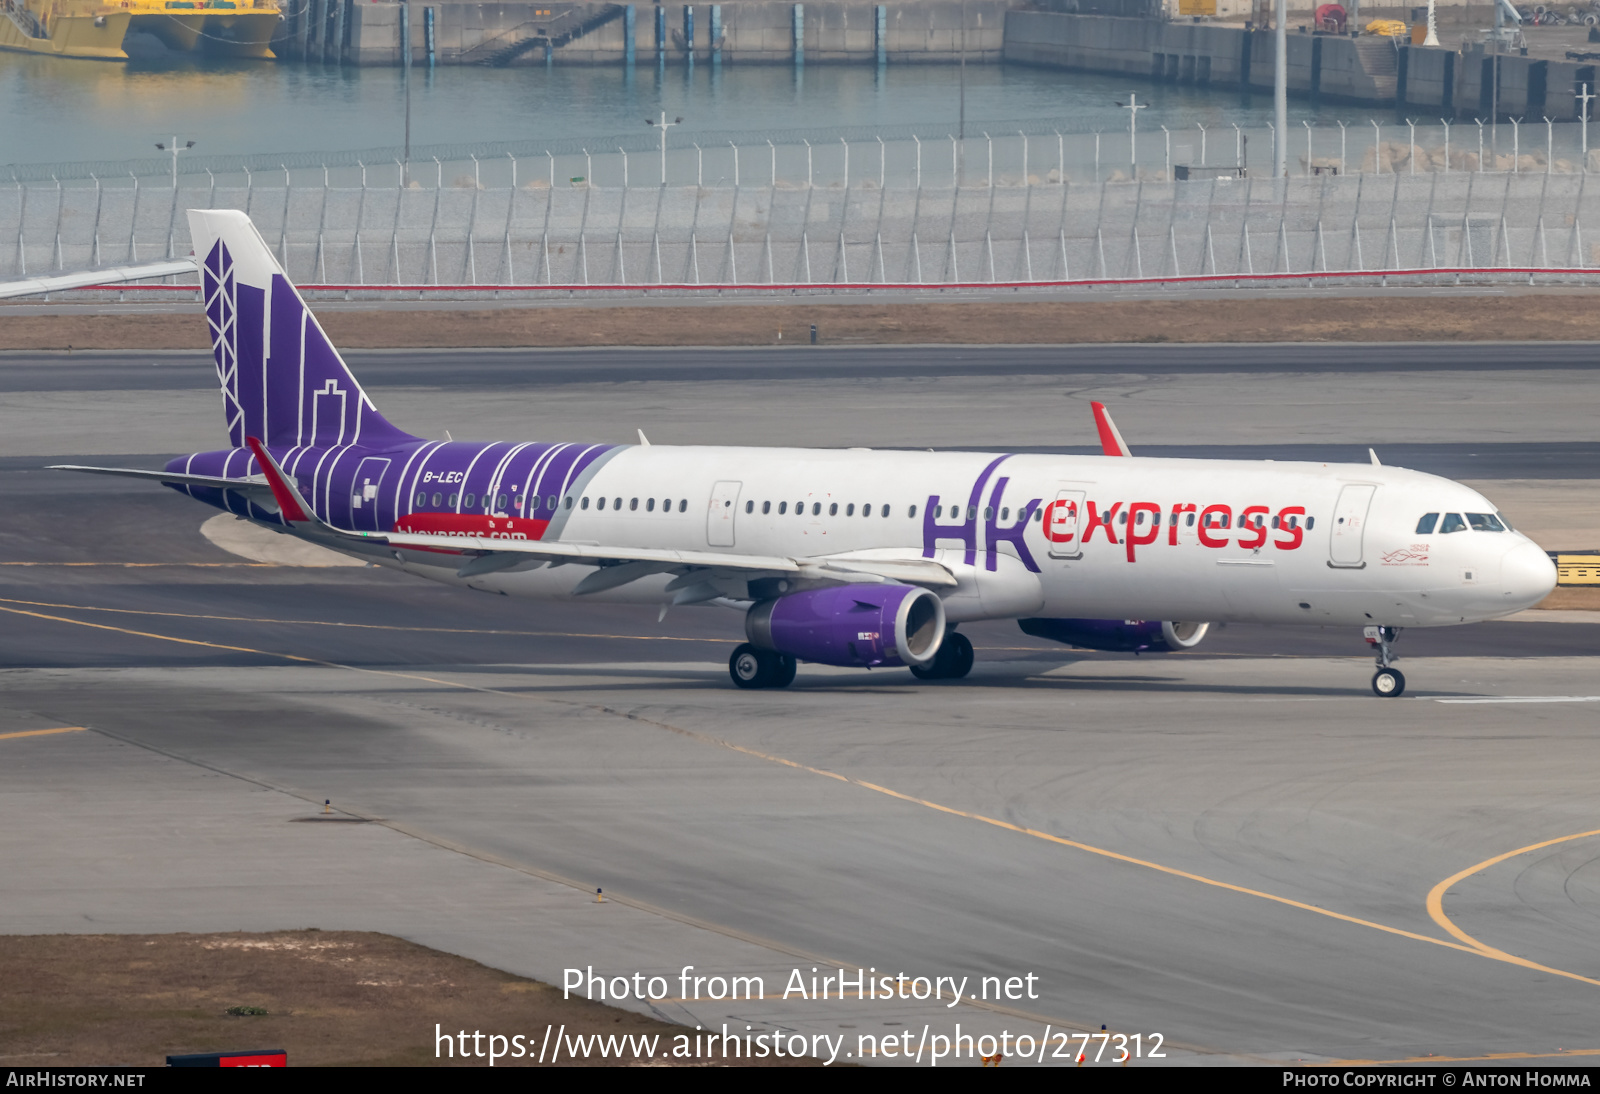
pixel 854 558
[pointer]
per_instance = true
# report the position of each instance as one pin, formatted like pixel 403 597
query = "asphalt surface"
pixel 1234 847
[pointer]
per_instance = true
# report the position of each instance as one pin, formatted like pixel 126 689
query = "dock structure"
pixel 97 29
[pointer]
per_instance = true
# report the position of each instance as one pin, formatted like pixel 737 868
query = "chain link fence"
pixel 1017 211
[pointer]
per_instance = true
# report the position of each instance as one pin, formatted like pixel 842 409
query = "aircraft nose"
pixel 1527 575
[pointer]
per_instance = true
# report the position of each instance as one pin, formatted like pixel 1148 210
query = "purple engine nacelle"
pixel 1119 635
pixel 852 625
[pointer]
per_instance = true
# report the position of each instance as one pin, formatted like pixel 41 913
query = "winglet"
pixel 290 503
pixel 1375 461
pixel 1111 442
pixel 643 440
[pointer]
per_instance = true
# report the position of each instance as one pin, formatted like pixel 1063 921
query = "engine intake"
pixel 1119 635
pixel 851 625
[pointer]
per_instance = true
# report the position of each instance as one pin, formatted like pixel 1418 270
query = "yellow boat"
pixel 96 28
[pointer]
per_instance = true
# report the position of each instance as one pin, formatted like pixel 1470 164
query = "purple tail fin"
pixel 281 378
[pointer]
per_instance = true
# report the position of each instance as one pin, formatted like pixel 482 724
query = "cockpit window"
pixel 1452 523
pixel 1426 525
pixel 1506 522
pixel 1485 522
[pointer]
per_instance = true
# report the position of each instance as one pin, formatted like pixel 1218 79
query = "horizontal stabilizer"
pixel 256 489
pixel 85 279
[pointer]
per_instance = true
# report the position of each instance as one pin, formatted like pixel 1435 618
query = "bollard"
pixel 813 334
pixel 599 897
pixel 327 805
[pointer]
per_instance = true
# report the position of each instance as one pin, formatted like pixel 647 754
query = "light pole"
pixel 1133 106
pixel 175 148
pixel 1280 94
pixel 663 125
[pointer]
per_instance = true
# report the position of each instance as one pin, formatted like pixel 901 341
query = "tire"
pixel 783 671
pixel 1388 683
pixel 959 648
pixel 749 667
pixel 952 662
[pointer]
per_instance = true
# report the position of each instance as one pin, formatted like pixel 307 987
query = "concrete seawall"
pixel 1368 70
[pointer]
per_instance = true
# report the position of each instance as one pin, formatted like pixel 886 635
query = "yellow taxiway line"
pixel 41 732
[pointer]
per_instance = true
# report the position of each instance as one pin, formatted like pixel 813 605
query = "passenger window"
pixel 783 507
pixel 616 503
pixel 1275 522
pixel 1190 520
pixel 1452 523
pixel 1038 516
pixel 750 507
pixel 683 504
pixel 599 503
pixel 972 512
pixel 1122 518
pixel 816 508
pixel 422 499
pixel 438 500
pixel 550 502
pixel 938 511
pixel 584 504
pixel 1485 522
pixel 633 504
pixel 569 502
pixel 500 502
pixel 649 505
pixel 1311 522
pixel 866 510
pixel 849 510
pixel 833 509
pixel 912 513
pixel 452 499
pixel 469 500
pixel 1005 514
pixel 886 511
pixel 1426 525
pixel 766 507
pixel 988 512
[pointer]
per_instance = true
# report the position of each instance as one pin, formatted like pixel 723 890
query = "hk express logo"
pixel 1074 521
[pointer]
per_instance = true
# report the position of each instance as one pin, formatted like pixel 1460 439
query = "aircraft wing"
pixel 619 565
pixel 484 555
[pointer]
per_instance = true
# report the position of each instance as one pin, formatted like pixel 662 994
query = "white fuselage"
pixel 1281 543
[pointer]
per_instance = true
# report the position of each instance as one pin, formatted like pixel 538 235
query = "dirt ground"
pixel 330 997
pixel 1530 316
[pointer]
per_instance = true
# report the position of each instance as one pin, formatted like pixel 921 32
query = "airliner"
pixel 854 558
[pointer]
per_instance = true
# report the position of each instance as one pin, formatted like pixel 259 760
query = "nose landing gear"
pixel 1388 682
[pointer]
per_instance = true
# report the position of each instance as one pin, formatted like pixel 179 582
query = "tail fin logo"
pixel 281 378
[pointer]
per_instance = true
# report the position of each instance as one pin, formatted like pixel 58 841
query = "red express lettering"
pixel 1254 518
pixel 1225 515
pixel 1067 521
pixel 1097 521
pixel 1172 529
pixel 1134 537
pixel 1296 534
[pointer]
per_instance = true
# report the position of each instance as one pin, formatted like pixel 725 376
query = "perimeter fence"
pixel 1408 206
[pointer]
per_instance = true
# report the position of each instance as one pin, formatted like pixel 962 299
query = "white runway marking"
pixel 1526 699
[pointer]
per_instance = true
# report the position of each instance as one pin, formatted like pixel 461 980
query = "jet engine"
pixel 851 625
pixel 1120 635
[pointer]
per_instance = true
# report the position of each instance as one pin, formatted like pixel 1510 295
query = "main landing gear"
pixel 757 668
pixel 952 662
pixel 1388 682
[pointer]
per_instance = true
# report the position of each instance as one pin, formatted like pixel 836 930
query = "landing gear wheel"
pixel 782 671
pixel 1388 683
pixel 952 662
pixel 750 667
